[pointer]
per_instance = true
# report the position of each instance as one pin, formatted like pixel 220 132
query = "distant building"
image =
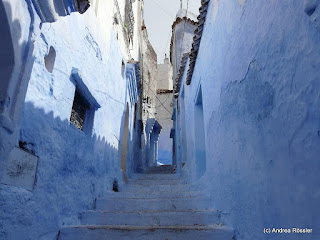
pixel 164 106
pixel 148 66
pixel 181 43
pixel 181 39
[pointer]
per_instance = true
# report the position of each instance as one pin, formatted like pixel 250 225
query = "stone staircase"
pixel 152 206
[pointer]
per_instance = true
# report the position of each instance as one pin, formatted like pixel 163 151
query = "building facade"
pixel 181 43
pixel 248 97
pixel 164 107
pixel 78 115
pixel 71 109
pixel 149 73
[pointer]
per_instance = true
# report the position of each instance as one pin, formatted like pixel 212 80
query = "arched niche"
pixel 50 59
pixel 125 135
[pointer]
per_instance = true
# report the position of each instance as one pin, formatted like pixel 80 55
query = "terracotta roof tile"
pixel 197 39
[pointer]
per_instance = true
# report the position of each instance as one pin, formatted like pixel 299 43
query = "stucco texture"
pixel 74 168
pixel 259 67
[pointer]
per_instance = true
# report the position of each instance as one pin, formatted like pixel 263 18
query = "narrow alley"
pixel 159 120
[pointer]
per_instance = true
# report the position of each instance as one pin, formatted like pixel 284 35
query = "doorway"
pixel 183 129
pixel 200 143
pixel 124 147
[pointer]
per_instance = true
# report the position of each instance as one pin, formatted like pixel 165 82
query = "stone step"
pixel 155 176
pixel 212 232
pixel 164 169
pixel 152 204
pixel 157 188
pixel 146 193
pixel 152 182
pixel 153 218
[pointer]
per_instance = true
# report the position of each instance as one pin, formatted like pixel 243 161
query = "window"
pixel 80 108
pixel 84 104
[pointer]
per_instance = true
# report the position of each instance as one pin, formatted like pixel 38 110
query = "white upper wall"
pixel 182 38
pixel 164 75
pixel 184 13
pixel 106 11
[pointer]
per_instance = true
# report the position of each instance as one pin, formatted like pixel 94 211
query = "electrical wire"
pixel 158 99
pixel 149 87
pixel 163 101
pixel 165 49
pixel 169 14
pixel 184 26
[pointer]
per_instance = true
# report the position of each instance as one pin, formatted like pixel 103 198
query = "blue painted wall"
pixel 74 167
pixel 259 69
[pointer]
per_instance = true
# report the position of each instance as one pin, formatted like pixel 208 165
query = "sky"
pixel 159 16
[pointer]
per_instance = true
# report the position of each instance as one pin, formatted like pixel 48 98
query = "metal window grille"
pixel 79 109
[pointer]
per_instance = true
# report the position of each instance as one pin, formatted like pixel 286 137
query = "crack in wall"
pixel 250 99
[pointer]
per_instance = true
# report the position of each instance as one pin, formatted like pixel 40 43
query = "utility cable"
pixel 184 26
pixel 169 36
pixel 169 14
pixel 158 99
pixel 163 101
